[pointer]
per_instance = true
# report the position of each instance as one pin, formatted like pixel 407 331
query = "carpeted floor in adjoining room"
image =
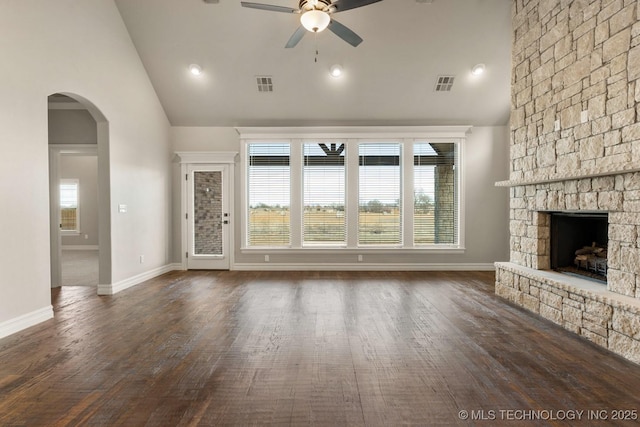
pixel 79 267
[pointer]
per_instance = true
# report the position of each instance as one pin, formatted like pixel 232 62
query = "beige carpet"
pixel 79 268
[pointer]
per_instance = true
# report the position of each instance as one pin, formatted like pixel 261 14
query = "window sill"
pixel 69 233
pixel 361 250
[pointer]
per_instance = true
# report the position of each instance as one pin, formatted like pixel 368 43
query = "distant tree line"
pixel 422 202
pixel 265 206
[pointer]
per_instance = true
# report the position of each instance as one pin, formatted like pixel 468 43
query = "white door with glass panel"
pixel 208 217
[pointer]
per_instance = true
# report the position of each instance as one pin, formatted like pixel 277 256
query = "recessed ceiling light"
pixel 335 71
pixel 195 69
pixel 478 69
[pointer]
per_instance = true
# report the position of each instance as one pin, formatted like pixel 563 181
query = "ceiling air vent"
pixel 444 83
pixel 265 84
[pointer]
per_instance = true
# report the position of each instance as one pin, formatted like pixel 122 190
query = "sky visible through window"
pixel 324 184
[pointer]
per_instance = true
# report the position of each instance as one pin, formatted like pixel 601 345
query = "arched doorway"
pixel 78 128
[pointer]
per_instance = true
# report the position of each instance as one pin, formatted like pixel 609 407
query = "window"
pixel 321 191
pixel 269 191
pixel 435 205
pixel 379 206
pixel 69 206
pixel 323 171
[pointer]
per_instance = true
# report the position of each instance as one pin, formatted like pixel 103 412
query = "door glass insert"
pixel 208 215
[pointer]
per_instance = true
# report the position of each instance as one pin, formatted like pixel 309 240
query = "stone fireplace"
pixel 575 159
pixel 607 315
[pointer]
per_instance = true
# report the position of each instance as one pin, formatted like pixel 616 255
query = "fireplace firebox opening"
pixel 579 244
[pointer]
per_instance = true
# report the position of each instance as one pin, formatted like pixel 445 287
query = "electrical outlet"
pixel 556 125
pixel 86 237
pixel 141 259
pixel 360 258
pixel 266 258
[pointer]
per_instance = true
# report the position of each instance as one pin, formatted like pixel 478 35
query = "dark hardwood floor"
pixel 299 348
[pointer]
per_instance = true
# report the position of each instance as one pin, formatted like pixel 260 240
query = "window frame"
pixel 76 230
pixel 352 137
pixel 402 147
pixel 246 195
pixel 309 244
pixel 457 185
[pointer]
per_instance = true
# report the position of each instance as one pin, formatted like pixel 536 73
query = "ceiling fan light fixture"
pixel 315 20
pixel 195 69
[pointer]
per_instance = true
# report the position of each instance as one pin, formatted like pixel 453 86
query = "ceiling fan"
pixel 315 16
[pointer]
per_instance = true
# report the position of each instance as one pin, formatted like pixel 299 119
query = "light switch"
pixel 122 208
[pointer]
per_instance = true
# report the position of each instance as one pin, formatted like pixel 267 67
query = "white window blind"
pixel 269 188
pixel 435 193
pixel 380 189
pixel 324 220
pixel 318 192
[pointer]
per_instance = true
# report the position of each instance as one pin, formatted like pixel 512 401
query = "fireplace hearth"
pixel 579 244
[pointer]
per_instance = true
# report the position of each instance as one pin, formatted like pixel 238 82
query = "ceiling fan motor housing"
pixel 317 4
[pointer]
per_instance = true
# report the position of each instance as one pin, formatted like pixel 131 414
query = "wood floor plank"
pixel 209 348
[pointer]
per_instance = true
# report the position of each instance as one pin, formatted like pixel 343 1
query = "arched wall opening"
pixel 96 144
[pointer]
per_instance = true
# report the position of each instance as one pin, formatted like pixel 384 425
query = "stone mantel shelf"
pixel 572 175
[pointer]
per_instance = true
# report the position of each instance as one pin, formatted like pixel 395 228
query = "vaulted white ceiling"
pixel 389 79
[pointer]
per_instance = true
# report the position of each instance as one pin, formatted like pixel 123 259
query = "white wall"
pixel 72 127
pixel 204 139
pixel 486 154
pixel 195 139
pixel 486 206
pixel 79 47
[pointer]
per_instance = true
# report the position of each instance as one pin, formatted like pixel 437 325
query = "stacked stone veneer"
pixel 570 57
pixel 605 318
pixel 618 195
pixel 445 208
pixel 575 146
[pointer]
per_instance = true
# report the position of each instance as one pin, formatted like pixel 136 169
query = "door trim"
pixel 56 151
pixel 194 158
pixel 209 260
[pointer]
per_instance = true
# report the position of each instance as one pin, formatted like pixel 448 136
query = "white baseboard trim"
pixel 364 267
pixel 79 247
pixel 114 288
pixel 25 321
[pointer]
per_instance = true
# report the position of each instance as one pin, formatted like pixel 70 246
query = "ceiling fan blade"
pixel 269 7
pixel 296 37
pixel 342 5
pixel 344 33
